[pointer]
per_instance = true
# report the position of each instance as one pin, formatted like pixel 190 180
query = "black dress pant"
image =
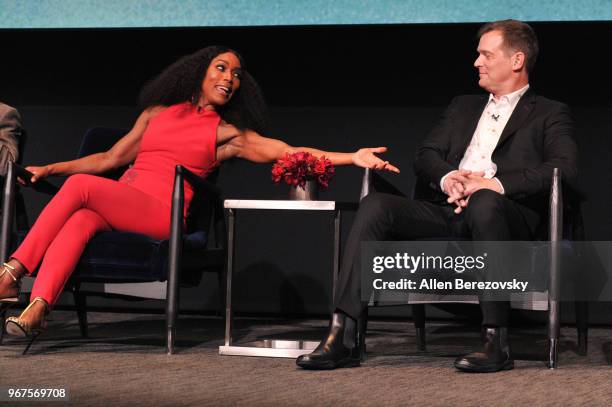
pixel 489 216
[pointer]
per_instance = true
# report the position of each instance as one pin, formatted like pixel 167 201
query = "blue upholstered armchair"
pixel 136 265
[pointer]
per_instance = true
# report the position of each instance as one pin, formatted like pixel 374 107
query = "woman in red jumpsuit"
pixel 202 110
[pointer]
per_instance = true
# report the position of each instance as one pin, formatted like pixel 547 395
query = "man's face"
pixel 494 62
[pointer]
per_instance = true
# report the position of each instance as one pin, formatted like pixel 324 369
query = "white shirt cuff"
pixel 503 191
pixel 443 179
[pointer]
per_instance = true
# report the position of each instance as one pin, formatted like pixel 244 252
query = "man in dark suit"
pixel 486 168
pixel 10 130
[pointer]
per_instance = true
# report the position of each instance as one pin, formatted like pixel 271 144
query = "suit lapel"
pixel 519 115
pixel 472 117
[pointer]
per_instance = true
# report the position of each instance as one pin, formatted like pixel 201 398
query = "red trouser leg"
pixel 63 228
pixel 64 253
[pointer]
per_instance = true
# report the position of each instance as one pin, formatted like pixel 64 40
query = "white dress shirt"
pixel 494 117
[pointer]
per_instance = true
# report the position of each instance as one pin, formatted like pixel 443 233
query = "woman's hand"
pixel 37 173
pixel 366 158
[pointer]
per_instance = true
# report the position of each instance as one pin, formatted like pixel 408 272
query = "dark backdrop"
pixel 334 87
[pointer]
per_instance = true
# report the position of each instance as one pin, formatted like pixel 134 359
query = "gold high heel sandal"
pixel 16 326
pixel 7 302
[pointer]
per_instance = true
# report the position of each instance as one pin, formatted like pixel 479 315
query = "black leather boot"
pixel 338 349
pixel 495 357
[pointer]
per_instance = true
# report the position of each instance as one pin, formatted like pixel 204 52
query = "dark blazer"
pixel 538 137
pixel 10 131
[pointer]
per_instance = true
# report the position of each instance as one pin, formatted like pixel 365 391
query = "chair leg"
pixel 3 321
pixel 582 326
pixel 172 303
pixel 170 333
pixel 362 330
pixel 80 302
pixel 171 311
pixel 418 313
pixel 553 333
pixel 553 350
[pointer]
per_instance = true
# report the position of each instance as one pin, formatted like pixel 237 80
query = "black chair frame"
pixel 182 174
pixel 558 209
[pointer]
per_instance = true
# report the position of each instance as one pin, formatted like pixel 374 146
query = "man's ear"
pixel 518 61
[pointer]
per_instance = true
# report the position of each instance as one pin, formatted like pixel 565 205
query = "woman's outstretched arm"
pixel 122 153
pixel 254 147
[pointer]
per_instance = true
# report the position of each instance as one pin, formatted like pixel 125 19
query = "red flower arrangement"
pixel 297 168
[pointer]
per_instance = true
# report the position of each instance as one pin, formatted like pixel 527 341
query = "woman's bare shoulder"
pixel 152 111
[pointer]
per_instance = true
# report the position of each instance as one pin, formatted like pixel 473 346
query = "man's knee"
pixel 373 208
pixel 485 200
pixel 484 206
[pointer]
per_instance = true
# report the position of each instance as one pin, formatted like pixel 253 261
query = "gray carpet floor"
pixel 123 364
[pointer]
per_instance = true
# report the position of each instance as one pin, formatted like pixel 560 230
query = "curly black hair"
pixel 181 82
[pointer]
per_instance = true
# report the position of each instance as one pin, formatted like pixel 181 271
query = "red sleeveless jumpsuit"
pixel 139 202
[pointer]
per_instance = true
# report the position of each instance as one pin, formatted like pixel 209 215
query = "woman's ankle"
pixel 17 269
pixel 36 312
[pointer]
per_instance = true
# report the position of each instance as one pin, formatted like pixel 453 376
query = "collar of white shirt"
pixel 511 98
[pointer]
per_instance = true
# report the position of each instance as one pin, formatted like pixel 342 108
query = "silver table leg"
pixel 336 267
pixel 230 271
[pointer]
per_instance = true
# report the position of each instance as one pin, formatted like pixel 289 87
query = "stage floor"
pixel 123 364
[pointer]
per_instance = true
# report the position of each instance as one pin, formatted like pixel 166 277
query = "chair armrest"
pixel 12 199
pixel 556 207
pixel 42 185
pixel 374 182
pixel 199 183
pixel 8 206
pixel 211 194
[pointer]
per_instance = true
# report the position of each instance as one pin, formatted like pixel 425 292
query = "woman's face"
pixel 221 81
